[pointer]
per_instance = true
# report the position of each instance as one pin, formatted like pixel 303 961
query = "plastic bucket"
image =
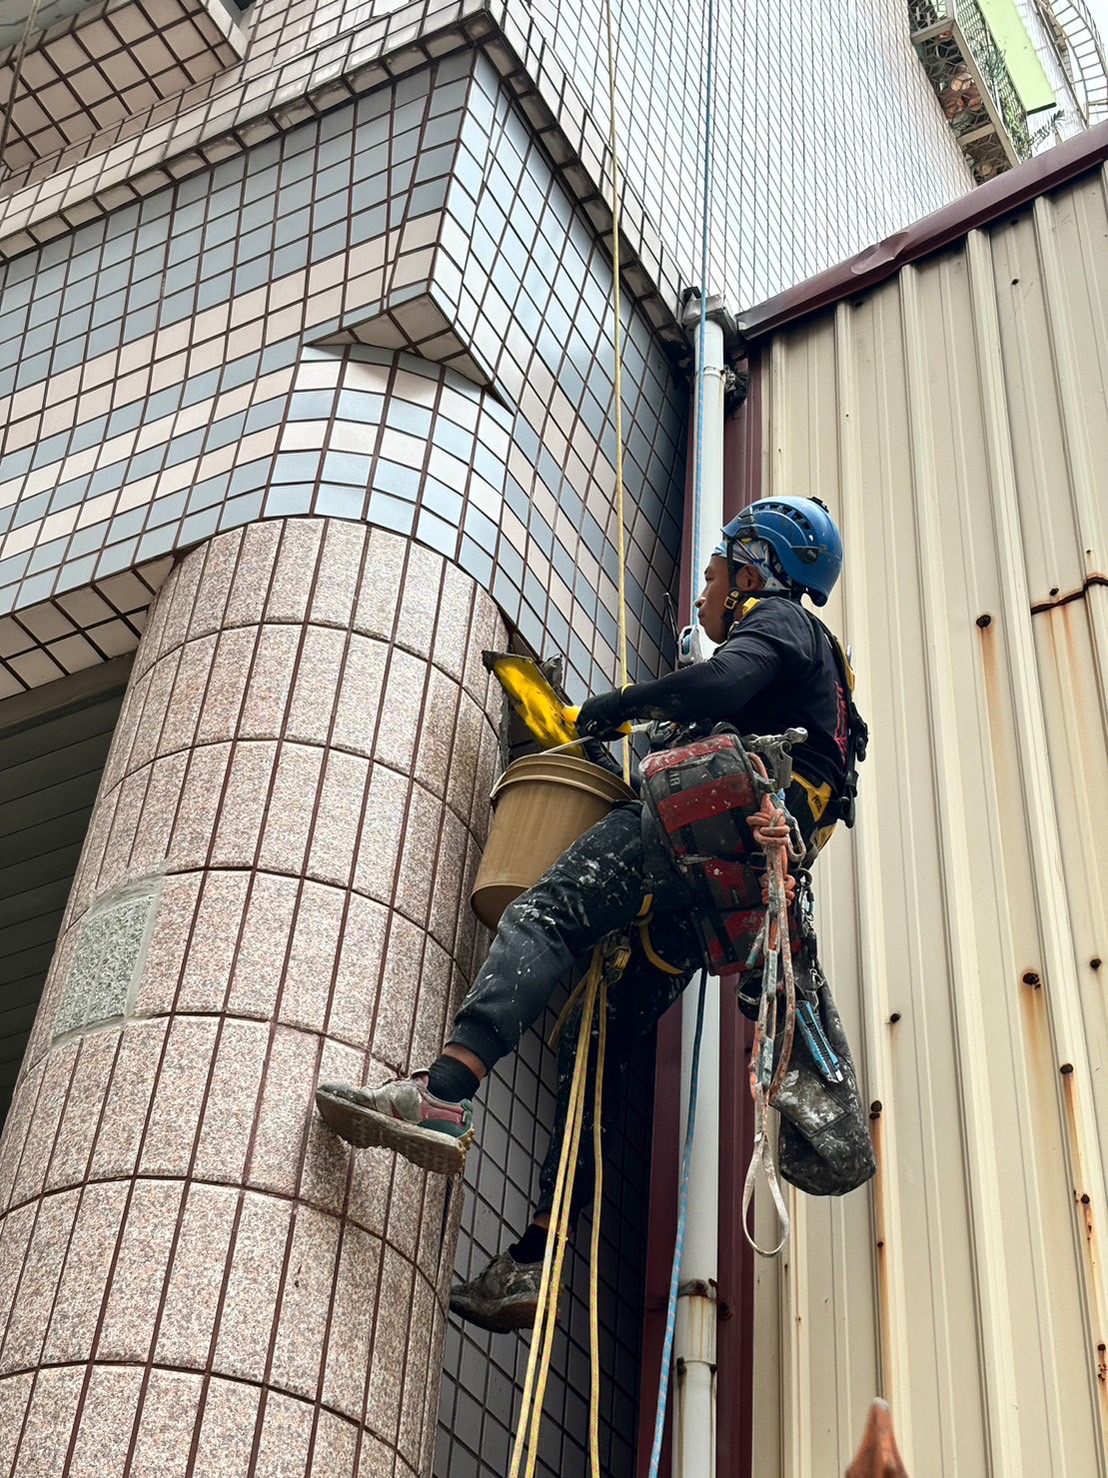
pixel 541 804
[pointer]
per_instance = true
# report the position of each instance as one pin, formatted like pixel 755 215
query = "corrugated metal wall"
pixel 957 419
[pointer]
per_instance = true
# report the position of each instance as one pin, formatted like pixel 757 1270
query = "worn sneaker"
pixel 401 1115
pixel 505 1296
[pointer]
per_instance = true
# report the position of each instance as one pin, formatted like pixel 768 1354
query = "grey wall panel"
pixel 50 768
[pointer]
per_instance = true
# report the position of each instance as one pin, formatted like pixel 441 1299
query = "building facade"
pixel 307 383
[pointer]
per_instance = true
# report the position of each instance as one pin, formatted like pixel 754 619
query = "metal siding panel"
pixel 953 418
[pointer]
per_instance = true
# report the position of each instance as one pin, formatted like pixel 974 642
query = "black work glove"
pixel 600 717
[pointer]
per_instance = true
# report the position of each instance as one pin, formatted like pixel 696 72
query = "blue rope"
pixel 679 1242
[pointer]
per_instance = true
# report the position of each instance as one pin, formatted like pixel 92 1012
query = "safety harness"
pixel 844 806
pixel 700 798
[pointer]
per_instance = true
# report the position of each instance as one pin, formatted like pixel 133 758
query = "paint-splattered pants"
pixel 594 888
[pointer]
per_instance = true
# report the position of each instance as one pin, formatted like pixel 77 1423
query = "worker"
pixel 776 667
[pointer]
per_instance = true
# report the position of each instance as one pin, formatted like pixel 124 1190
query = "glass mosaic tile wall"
pixel 826 137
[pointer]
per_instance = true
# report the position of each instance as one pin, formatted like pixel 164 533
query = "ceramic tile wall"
pixel 174 398
pixel 77 630
pixel 81 74
pixel 484 1373
pixel 826 138
pixel 159 389
pixel 302 762
pixel 809 100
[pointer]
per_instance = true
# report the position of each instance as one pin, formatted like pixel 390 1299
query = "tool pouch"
pixel 699 851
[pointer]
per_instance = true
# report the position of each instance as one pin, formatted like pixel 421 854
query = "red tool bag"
pixel 700 797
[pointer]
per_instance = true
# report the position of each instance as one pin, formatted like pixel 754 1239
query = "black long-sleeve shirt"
pixel 775 671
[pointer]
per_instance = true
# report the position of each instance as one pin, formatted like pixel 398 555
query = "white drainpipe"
pixel 695 1334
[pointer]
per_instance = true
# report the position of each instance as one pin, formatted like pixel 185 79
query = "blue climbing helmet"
pixel 794 541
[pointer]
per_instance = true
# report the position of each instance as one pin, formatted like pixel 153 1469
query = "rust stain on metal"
pixel 999 722
pixel 1071 1113
pixel 1087 1212
pixel 1033 1002
pixel 1041 1063
pixel 880 1219
pixel 1084 1201
pixel 1066 615
pixel 1071 595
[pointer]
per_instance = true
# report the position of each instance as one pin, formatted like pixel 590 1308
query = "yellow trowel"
pixel 533 698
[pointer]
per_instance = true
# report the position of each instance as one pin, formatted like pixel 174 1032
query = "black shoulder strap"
pixel 845 808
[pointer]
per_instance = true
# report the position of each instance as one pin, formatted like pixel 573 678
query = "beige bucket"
pixel 541 803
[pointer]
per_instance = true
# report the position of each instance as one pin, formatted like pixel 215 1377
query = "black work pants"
pixel 594 888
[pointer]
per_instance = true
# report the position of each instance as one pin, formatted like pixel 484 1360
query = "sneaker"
pixel 505 1296
pixel 401 1115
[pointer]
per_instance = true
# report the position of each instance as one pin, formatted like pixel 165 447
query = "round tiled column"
pixel 195 1276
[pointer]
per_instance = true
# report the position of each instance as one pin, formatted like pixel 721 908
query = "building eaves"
pixel 980 208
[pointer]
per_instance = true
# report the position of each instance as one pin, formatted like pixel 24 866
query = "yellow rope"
pixel 617 337
pixel 594 995
pixel 542 1341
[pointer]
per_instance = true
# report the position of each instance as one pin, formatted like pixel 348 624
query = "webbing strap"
pixel 772 827
pixel 763 1159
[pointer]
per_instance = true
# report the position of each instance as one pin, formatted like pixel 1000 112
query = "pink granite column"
pixel 195 1277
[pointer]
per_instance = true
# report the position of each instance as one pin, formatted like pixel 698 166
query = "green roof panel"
pixel 1014 40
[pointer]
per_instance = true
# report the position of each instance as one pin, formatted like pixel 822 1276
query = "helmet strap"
pixel 734 599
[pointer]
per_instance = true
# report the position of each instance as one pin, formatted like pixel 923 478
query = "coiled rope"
pixel 775 832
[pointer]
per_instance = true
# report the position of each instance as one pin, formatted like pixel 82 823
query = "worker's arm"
pixel 713 690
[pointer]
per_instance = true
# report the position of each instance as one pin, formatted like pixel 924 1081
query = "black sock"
pixel 451 1080
pixel 531 1247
